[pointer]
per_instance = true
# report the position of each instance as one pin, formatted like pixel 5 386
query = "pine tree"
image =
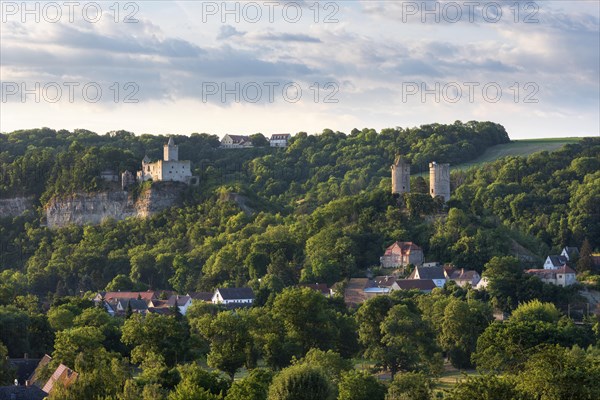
pixel 585 262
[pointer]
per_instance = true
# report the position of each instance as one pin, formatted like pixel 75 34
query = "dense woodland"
pixel 322 211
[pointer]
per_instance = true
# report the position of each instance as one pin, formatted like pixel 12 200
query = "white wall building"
pixel 279 140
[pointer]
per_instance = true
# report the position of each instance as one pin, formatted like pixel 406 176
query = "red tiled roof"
pixel 401 248
pixel 62 374
pixel 149 295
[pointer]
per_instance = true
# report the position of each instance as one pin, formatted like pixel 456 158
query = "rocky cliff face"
pixel 93 208
pixel 15 206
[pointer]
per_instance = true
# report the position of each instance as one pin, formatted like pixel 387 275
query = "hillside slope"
pixel 523 147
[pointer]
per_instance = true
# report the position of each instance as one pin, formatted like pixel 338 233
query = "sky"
pixel 178 67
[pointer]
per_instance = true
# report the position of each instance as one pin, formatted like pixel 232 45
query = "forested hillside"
pixel 322 208
pixel 319 211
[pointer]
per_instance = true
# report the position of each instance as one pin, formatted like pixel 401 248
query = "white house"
pixel 555 262
pixel 463 277
pixel 569 253
pixel 563 276
pixel 234 296
pixel 279 140
pixel 182 302
pixel 436 274
pixel 236 142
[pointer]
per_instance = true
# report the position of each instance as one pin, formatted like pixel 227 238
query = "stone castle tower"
pixel 439 180
pixel 400 176
pixel 171 151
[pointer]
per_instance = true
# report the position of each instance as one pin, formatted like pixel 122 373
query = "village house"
pixel 555 262
pixel 280 140
pixel 563 276
pixel 233 296
pixel 400 254
pixel 182 302
pixel 570 253
pixel 463 277
pixel 236 142
pixel 36 387
pixel 436 274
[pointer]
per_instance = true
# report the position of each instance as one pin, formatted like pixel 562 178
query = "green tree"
pixel 230 341
pixel 255 386
pixel 357 385
pixel 487 387
pixel 556 373
pixel 6 372
pixel 329 361
pixel 462 324
pixel 159 334
pixel 301 382
pixel 409 386
pixel 407 341
pixel 71 342
pixel 585 262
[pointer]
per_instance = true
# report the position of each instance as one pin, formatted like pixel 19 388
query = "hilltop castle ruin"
pixel 169 169
pixel 439 178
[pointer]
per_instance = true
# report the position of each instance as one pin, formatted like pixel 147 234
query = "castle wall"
pixel 176 171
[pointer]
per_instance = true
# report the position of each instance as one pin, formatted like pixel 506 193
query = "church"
pixel 170 169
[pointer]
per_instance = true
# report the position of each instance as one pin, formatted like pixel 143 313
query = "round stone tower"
pixel 439 180
pixel 171 151
pixel 400 176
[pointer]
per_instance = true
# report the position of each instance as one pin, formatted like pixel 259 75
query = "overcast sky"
pixel 246 67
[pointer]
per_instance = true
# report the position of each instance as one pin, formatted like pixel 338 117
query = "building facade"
pixel 279 140
pixel 400 254
pixel 236 142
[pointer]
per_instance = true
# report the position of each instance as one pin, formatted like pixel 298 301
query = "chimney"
pixel 26 356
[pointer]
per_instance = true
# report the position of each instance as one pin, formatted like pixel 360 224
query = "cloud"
pixel 286 37
pixel 227 31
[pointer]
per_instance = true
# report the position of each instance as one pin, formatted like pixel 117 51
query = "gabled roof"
pixel 62 374
pixel 203 296
pixel 34 379
pixel 178 300
pixel 384 281
pixel 130 295
pixel 462 275
pixel 281 136
pixel 565 269
pixel 24 367
pixel 420 284
pixel 571 249
pixel 238 139
pixel 22 393
pixel 428 273
pixel 236 293
pixel 318 287
pixel 402 247
pixel 146 159
pixel 136 305
pixel 557 261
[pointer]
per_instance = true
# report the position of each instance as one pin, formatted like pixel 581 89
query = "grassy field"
pixel 518 148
